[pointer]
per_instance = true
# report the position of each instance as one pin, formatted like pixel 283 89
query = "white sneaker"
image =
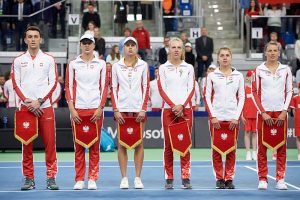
pixel 298 156
pixel 79 185
pixel 262 185
pixel 248 155
pixel 281 185
pixel 124 183
pixel 92 185
pixel 138 183
pixel 254 155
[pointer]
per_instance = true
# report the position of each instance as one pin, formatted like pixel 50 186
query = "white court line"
pixel 271 177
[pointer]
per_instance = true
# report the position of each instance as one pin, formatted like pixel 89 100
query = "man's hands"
pixel 34 106
pixel 178 110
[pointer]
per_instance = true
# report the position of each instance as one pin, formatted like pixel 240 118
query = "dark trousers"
pixel 202 67
pixel 62 15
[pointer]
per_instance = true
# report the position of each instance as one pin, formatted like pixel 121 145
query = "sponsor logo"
pixel 148 134
pixel 26 125
pixel 41 64
pixel 85 129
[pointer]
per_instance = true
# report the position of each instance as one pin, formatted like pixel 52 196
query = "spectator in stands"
pixel 136 4
pixel 143 38
pixel 9 92
pixel 121 10
pixel 297 53
pixel 43 20
pixel 100 43
pixel 189 56
pixel 127 33
pixel 156 102
pixel 20 23
pixel 85 4
pixel 114 55
pixel 58 10
pixel 168 7
pixel 254 9
pixel 91 28
pixel 224 114
pixel 176 87
pixel 91 15
pixel 295 105
pixel 128 75
pixel 184 37
pixel 204 49
pixel 34 79
pixel 274 14
pixel 87 99
pixel 164 51
pixel 3 100
pixel 249 119
pixel 4 23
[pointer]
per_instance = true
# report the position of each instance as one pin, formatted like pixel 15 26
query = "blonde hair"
pixel 271 43
pixel 176 39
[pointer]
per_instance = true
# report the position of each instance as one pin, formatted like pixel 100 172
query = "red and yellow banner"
pixel 273 136
pixel 180 137
pixel 130 133
pixel 26 126
pixel 86 133
pixel 224 140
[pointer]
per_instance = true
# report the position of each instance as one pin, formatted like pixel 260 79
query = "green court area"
pixel 150 155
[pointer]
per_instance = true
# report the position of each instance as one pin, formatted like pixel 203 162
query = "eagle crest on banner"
pixel 85 129
pixel 224 136
pixel 180 137
pixel 273 131
pixel 26 125
pixel 129 130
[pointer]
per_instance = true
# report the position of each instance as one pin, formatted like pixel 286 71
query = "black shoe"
pixel 51 185
pixel 229 184
pixel 28 185
pixel 220 184
pixel 169 184
pixel 186 184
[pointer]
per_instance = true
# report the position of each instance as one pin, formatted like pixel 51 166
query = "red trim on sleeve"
pixel 163 94
pixel 104 94
pixel 257 93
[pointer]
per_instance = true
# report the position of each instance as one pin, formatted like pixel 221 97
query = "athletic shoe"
pixel 28 185
pixel 138 183
pixel 248 155
pixel 79 185
pixel 220 184
pixel 51 184
pixel 229 184
pixel 281 185
pixel 169 184
pixel 254 155
pixel 186 184
pixel 262 185
pixel 124 183
pixel 92 185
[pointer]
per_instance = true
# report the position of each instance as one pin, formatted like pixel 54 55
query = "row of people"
pixel 86 91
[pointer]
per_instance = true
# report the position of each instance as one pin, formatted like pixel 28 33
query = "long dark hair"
pixel 113 54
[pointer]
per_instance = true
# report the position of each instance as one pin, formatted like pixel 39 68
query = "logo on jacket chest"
pixel 24 64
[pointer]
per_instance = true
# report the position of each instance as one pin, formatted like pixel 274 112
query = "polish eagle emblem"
pixel 180 136
pixel 273 131
pixel 224 136
pixel 26 125
pixel 129 130
pixel 85 129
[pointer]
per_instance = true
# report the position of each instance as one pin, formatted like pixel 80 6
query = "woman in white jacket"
pixel 130 94
pixel 225 97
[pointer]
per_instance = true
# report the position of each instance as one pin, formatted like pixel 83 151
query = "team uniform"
pixel 86 86
pixel 224 97
pixel 295 104
pixel 176 87
pixel 196 97
pixel 34 78
pixel 11 96
pixel 249 111
pixel 56 95
pixel 272 94
pixel 155 98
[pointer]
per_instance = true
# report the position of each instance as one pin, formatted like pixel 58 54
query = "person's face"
pixel 130 48
pixel 127 33
pixel 183 36
pixel 166 42
pixel 91 26
pixel 272 53
pixel 87 46
pixel 91 9
pixel 139 24
pixel 274 37
pixel 33 39
pixel 203 31
pixel 117 50
pixel 224 58
pixel 176 50
pixel 108 67
pixel 2 80
pixel 252 3
pixel 188 49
